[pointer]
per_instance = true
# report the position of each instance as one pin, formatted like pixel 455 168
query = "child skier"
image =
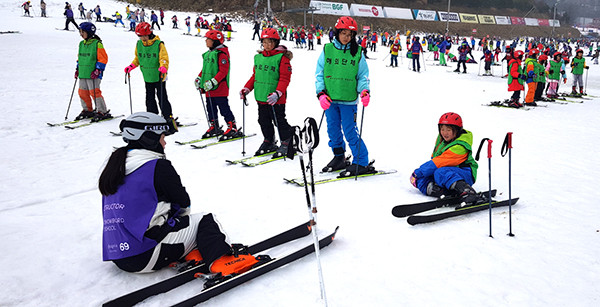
pixel 154 20
pixel 153 59
pixel 541 77
pixel 530 71
pixel 91 62
pixel 175 20
pixel 463 50
pixel 188 24
pixel 213 81
pixel 342 76
pixel 270 78
pixel 395 48
pixel 488 62
pixel 146 209
pixel 554 69
pixel 577 66
pixel 515 79
pixel 416 49
pixel 118 19
pixel 452 169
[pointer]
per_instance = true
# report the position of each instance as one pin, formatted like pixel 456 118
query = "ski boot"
pixel 98 116
pixel 231 132
pixel 467 194
pixel 513 103
pixel 285 149
pixel 85 114
pixel 237 261
pixel 266 147
pixel 574 91
pixel 356 170
pixel 338 162
pixel 213 130
pixel 433 189
pixel 581 93
pixel 457 70
pixel 530 104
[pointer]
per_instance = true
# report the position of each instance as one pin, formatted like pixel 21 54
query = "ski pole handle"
pixel 507 144
pixel 489 148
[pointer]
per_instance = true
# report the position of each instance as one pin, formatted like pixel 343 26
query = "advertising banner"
pixel 330 8
pixel 425 15
pixel 451 17
pixel 397 13
pixel 362 10
pixel 554 22
pixel 531 21
pixel 517 20
pixel 502 20
pixel 544 22
pixel 468 18
pixel 486 19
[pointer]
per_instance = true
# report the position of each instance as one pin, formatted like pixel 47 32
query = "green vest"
pixel 266 75
pixel 210 66
pixel 578 70
pixel 539 69
pixel 148 57
pixel 510 78
pixel 340 71
pixel 465 140
pixel 87 57
pixel 555 66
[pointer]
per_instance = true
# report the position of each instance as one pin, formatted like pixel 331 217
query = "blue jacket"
pixel 443 45
pixel 416 47
pixel 362 77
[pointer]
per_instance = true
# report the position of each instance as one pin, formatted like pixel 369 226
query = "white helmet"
pixel 145 128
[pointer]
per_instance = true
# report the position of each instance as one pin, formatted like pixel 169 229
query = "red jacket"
pixel 285 72
pixel 222 89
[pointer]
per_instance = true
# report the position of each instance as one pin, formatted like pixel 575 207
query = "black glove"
pixel 587 67
pixel 551 71
pixel 541 73
pixel 562 72
pixel 574 64
pixel 522 77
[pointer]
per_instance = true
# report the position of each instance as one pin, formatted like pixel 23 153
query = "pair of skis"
pixel 436 210
pixel 228 282
pixel 257 160
pixel 79 123
pixel 327 177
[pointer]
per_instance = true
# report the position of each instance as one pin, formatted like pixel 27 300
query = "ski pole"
pixel 489 174
pixel 362 117
pixel 321 122
pixel 507 146
pixel 424 65
pixel 244 124
pixel 386 57
pixel 204 108
pixel 310 138
pixel 586 78
pixel 275 121
pixel 128 81
pixel 479 69
pixel 72 92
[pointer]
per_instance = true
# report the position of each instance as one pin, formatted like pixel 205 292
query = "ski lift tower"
pixel 310 9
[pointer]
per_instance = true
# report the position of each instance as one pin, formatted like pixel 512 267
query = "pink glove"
pixel 129 68
pixel 324 100
pixel 365 97
pixel 413 179
pixel 162 69
pixel 273 97
pixel 245 91
pixel 95 74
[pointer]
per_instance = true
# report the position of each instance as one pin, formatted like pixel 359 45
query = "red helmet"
pixel 557 53
pixel 215 36
pixel 347 23
pixel 533 51
pixel 270 33
pixel 579 51
pixel 543 57
pixel 518 54
pixel 451 118
pixel 143 28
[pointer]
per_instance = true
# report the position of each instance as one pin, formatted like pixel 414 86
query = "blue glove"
pixel 530 74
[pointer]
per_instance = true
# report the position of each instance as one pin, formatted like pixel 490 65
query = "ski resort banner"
pixel 468 18
pixel 330 8
pixel 502 20
pixel 486 19
pixel 531 21
pixel 425 15
pixel 363 10
pixel 397 13
pixel 544 22
pixel 451 17
pixel 517 20
pixel 554 22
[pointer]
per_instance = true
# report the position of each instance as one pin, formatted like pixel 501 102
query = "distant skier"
pixel 154 20
pixel 452 169
pixel 577 67
pixel 26 6
pixel 174 20
pixel 530 71
pixel 516 79
pixel 69 14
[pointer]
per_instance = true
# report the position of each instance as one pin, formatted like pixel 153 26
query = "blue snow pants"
pixel 223 104
pixel 341 117
pixel 445 177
